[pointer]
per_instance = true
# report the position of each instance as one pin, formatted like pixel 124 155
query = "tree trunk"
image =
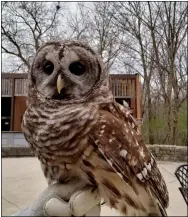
pixel 150 115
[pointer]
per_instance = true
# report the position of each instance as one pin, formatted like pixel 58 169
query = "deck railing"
pixel 20 87
pixel 122 86
pixel 14 84
pixel 6 88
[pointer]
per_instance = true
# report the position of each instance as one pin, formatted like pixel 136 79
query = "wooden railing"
pixel 6 87
pixel 14 84
pixel 122 86
pixel 20 87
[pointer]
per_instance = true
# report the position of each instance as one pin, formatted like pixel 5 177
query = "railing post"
pixel 12 105
pixel 138 100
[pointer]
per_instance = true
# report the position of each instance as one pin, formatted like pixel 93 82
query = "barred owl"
pixel 78 131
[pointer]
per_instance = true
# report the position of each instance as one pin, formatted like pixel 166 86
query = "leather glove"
pixel 73 198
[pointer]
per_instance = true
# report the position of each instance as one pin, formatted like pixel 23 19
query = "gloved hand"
pixel 65 200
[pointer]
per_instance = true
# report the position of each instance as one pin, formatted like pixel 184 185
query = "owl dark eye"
pixel 77 68
pixel 48 67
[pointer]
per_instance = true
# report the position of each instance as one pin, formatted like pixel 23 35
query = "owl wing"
pixel 116 138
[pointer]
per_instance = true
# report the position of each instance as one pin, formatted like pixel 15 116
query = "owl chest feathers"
pixel 58 135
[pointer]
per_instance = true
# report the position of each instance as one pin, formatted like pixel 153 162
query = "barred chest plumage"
pixel 58 135
pixel 77 130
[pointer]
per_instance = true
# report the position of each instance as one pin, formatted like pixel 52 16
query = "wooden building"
pixel 125 87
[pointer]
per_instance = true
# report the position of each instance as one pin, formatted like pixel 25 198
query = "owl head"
pixel 67 71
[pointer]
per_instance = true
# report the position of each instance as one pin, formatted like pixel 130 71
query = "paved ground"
pixel 22 182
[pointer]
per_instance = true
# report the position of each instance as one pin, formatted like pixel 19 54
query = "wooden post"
pixel 12 105
pixel 132 105
pixel 138 100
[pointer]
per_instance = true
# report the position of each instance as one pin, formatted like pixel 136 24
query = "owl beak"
pixel 60 84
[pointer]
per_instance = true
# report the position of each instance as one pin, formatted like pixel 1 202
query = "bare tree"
pixel 158 31
pixel 171 32
pixel 107 35
pixel 92 23
pixel 25 26
pixel 129 17
pixel 78 23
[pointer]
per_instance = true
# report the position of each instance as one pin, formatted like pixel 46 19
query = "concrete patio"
pixel 23 181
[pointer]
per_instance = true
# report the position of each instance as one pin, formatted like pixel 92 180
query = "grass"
pixel 158 126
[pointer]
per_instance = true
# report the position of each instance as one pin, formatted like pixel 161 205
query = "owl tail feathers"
pixel 155 208
pixel 162 210
pixel 124 209
pixel 127 206
pixel 156 205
